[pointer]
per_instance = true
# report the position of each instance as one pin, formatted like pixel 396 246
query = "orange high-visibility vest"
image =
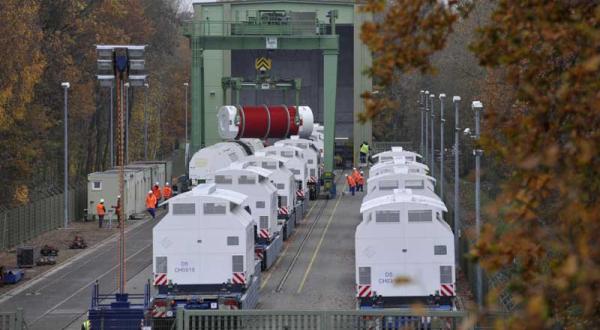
pixel 167 192
pixel 151 201
pixel 351 181
pixel 156 191
pixel 361 179
pixel 355 175
pixel 100 210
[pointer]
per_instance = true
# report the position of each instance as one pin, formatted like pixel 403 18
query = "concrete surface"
pixel 59 299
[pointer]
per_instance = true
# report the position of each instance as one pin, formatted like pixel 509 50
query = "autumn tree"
pixel 541 122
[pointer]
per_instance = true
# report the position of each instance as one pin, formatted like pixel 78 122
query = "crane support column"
pixel 330 61
pixel 197 138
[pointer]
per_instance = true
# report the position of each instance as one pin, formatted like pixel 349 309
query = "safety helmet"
pixel 118 196
pixel 156 183
pixel 167 184
pixel 346 174
pixel 101 200
pixel 149 192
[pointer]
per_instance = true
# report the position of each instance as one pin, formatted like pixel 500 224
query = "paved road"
pixel 323 274
pixel 62 296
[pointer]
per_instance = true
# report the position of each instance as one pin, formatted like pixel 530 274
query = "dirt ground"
pixel 60 239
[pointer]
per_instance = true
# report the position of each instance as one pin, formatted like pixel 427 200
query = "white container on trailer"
pixel 389 155
pixel 105 185
pixel 311 155
pixel 318 136
pixel 386 167
pixel 296 163
pixel 403 238
pixel 207 160
pixel 262 195
pixel 205 239
pixel 399 178
pixel 281 176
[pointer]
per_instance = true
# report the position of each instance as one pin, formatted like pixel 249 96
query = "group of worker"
pixel 356 181
pixel 155 195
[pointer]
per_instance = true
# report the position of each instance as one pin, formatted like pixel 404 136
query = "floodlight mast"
pixel 118 60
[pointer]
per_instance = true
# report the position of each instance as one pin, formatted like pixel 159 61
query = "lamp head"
pixel 66 85
pixel 456 99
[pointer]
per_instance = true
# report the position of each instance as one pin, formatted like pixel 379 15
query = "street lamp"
pixel 456 101
pixel 146 124
pixel 127 122
pixel 422 110
pixel 432 159
pixel 66 87
pixel 442 121
pixel 477 108
pixel 426 153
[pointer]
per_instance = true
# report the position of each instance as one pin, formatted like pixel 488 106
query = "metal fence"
pixel 25 222
pixel 317 320
pixel 12 320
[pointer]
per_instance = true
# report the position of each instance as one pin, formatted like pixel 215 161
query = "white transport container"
pixel 262 195
pixel 283 179
pixel 206 239
pixel 396 152
pixel 404 250
pixel 386 167
pixel 207 160
pixel 296 163
pixel 105 185
pixel 399 178
pixel 318 136
pixel 311 155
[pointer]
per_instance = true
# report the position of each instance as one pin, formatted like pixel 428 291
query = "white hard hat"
pixel 119 196
pixel 346 174
pixel 149 192
pixel 354 168
pixel 362 172
pixel 101 200
pixel 166 184
pixel 156 183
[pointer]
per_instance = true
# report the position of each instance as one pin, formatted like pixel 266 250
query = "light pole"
pixel 456 101
pixel 66 87
pixel 432 159
pixel 186 85
pixel 146 124
pixel 477 108
pixel 126 123
pixel 422 110
pixel 442 121
pixel 109 82
pixel 426 133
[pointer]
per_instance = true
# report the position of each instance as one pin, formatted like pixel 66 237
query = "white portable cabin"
pixel 152 173
pixel 403 236
pixel 105 185
pixel 389 155
pixel 389 166
pixel 311 154
pixel 399 178
pixel 205 238
pixel 296 163
pixel 262 194
pixel 166 168
pixel 281 176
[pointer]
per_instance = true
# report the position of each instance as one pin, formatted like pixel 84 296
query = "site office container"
pixel 283 180
pixel 105 185
pixel 262 201
pixel 396 152
pixel 203 253
pixel 404 239
pixel 388 166
pixel 400 178
pixel 154 173
pixel 166 168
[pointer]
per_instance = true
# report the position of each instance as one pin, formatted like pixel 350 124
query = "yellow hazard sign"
pixel 262 64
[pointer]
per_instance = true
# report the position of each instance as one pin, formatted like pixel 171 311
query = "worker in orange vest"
pixel 167 192
pixel 157 194
pixel 151 204
pixel 355 176
pixel 351 183
pixel 360 181
pixel 101 211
